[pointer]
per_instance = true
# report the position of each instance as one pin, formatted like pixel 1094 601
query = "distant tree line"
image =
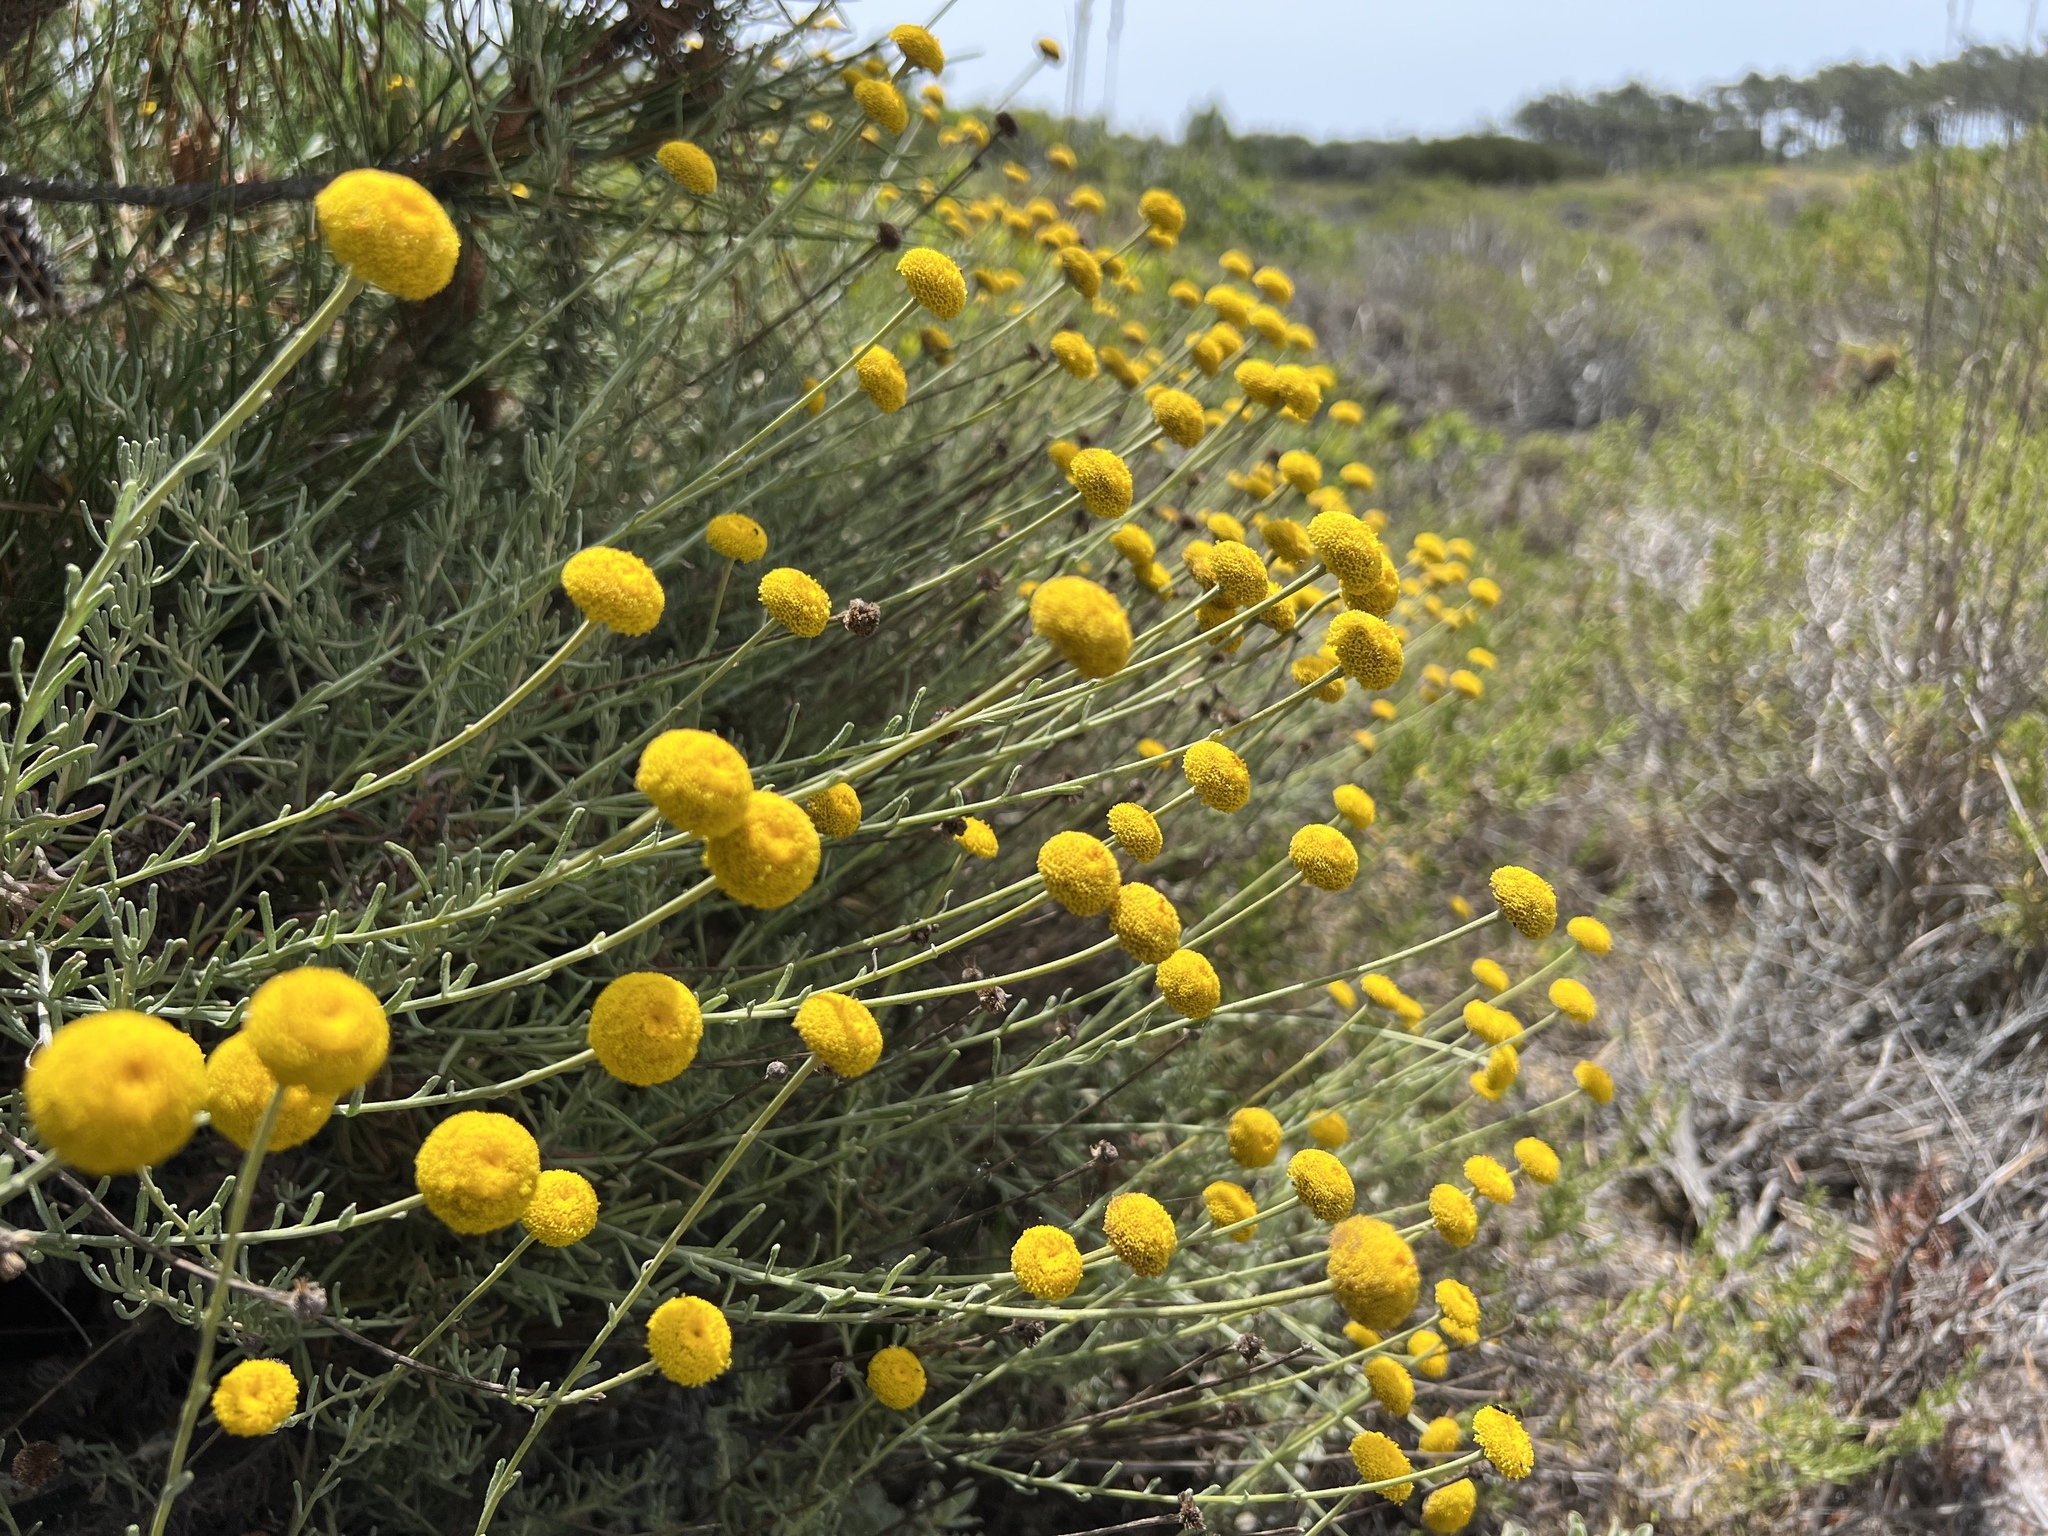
pixel 1488 158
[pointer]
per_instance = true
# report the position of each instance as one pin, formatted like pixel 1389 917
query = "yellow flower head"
pixel 255 1397
pixel 318 1029
pixel 1427 1350
pixel 1227 530
pixel 1163 211
pixel 1046 1263
pixel 1355 805
pixel 1228 1204
pixel 1490 975
pixel 1571 999
pixel 1269 323
pixel 1594 1082
pixel 1233 306
pixel 1455 1216
pixel 1467 684
pixel 1084 623
pixel 1358 476
pixel 934 280
pixel 699 782
pixel 1590 934
pixel 1063 454
pixel 1440 1438
pixel 840 1031
pixel 1188 983
pixel 1136 831
pixel 978 838
pixel 1391 1385
pixel 690 1340
pixel 1104 481
pixel 1300 395
pixel 1321 673
pixel 1449 1509
pixel 917 45
pixel 814 405
pixel 1049 49
pixel 1140 1233
pixel 737 537
pixel 1324 856
pixel 883 379
pixel 563 1209
pixel 1526 899
pixel 1367 649
pixel 883 104
pixel 1372 1272
pixel 1179 416
pixel 1274 284
pixel 1500 1434
pixel 835 811
pixel 1329 1128
pixel 896 1377
pixel 688 167
pixel 1073 353
pixel 1485 591
pixel 390 231
pixel 1496 1026
pixel 1081 270
pixel 1218 775
pixel 1379 1460
pixel 1347 413
pixel 238 1090
pixel 1347 546
pixel 1288 540
pixel 1079 872
pixel 614 588
pixel 1061 158
pixel 645 1028
pixel 1457 1303
pixel 1145 923
pixel 1381 991
pixel 478 1170
pixel 1254 1138
pixel 1323 1183
pixel 1490 1179
pixel 1259 382
pixel 1301 470
pixel 1538 1160
pixel 796 601
pixel 1503 1064
pixel 1134 544
pixel 1240 573
pixel 771 858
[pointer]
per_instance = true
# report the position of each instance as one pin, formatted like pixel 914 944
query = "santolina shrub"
pixel 628 990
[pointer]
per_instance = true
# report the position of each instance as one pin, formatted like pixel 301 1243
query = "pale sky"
pixel 1381 69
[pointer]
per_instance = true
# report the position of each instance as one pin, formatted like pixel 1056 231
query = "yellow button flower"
pixel 1449 1509
pixel 1372 1272
pixel 1071 350
pixel 1324 856
pixel 1081 270
pixel 737 537
pixel 1145 923
pixel 690 1341
pixel 1594 1082
pixel 1391 1385
pixel 896 1377
pixel 1219 776
pixel 390 231
pixel 1506 1444
pixel 771 858
pixel 1084 623
pixel 1046 1263
pixel 1180 416
pixel 1329 1129
pixel 1367 649
pixel 1590 934
pixel 699 782
pixel 1239 573
pixel 882 377
pixel 238 1090
pixel 1493 1182
pixel 1525 899
pixel 883 104
pixel 1140 1233
pixel 1538 1160
pixel 478 1170
pixel 614 588
pixel 688 167
pixel 1136 831
pixel 978 838
pixel 921 49
pixel 1573 1000
pixel 116 1091
pixel 1189 984
pixel 1490 975
pixel 563 1209
pixel 841 1032
pixel 1104 481
pixel 1163 211
pixel 318 1029
pixel 1380 1460
pixel 934 280
pixel 645 1028
pixel 1455 1216
pixel 1496 1026
pixel 796 601
pixel 255 1398
pixel 835 811
pixel 1485 591
pixel 1228 1204
pixel 1080 873
pixel 1440 1438
pixel 1323 1184
pixel 1254 1138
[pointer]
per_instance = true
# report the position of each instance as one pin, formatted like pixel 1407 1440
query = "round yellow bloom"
pixel 1236 263
pixel 1456 1217
pixel 1254 1138
pixel 238 1090
pixel 835 811
pixel 318 1029
pixel 1571 999
pixel 1257 379
pixel 1427 1351
pixel 1081 270
pixel 390 231
pixel 1358 475
pixel 883 379
pixel 1287 539
pixel 1590 934
pixel 1049 48
pixel 771 858
pixel 1046 1263
pixel 1229 1204
pixel 1484 590
pixel 645 1028
pixel 1218 775
pixel 1061 158
pixel 1391 1384
pixel 737 537
pixel 1526 899
pixel 1367 649
pixel 1301 470
pixel 840 1031
pixel 614 588
pixel 1372 1271
pixel 934 280
pixel 1134 544
pixel 1378 1459
pixel 1329 1129
pixel 1140 1233
pixel 1079 872
pixel 1538 1159
pixel 1163 211
pixel 1324 856
pixel 896 1377
pixel 796 601
pixel 255 1397
pixel 1441 1437
pixel 1062 454
pixel 1490 975
pixel 1321 673
pixel 1073 353
pixel 883 104
pixel 1457 1303
pixel 1355 805
pixel 699 782
pixel 922 49
pixel 1323 1184
pixel 1362 1336
pixel 1301 396
pixel 1239 572
pixel 1145 923
pixel 1449 1509
pixel 1347 546
pixel 1496 1026
pixel 690 1340
pixel 1500 1434
pixel 1179 416
pixel 1274 284
pixel 1232 305
pixel 1492 1181
pixel 1503 1064
pixel 1348 413
pixel 1084 623
pixel 563 1209
pixel 1467 684
pixel 1594 1082
pixel 1104 481
pixel 688 167
pixel 1136 831
pixel 1188 983
pixel 117 1091
pixel 978 838
pixel 478 1170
